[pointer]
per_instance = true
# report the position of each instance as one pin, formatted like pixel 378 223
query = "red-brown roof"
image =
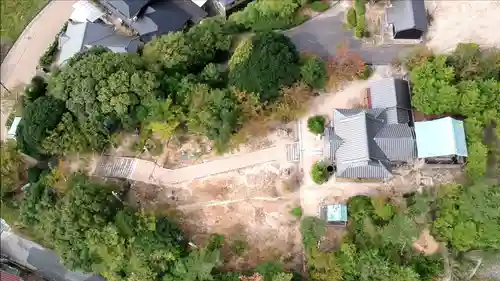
pixel 5 276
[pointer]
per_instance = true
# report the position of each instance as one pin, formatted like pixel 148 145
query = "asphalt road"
pixel 324 33
pixel 45 262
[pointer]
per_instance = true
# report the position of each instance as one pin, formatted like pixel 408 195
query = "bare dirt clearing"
pixel 248 205
pixel 463 21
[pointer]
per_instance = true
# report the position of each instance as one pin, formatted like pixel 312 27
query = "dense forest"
pixel 196 82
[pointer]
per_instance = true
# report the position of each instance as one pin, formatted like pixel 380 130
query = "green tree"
pixel 203 43
pixel 324 266
pixel 316 124
pixel 39 117
pixel 13 170
pixel 197 266
pixel 216 114
pixel 434 91
pixel 163 117
pixel 265 15
pixel 314 73
pixel 263 64
pixel 319 172
pixel 468 216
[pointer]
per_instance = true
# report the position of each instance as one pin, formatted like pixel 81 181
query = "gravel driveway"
pixel 322 34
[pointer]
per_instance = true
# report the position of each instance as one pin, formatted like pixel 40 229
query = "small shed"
pixel 408 18
pixel 335 214
pixel 11 133
pixel 444 137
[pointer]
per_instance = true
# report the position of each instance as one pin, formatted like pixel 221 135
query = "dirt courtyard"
pixel 250 207
pixel 463 21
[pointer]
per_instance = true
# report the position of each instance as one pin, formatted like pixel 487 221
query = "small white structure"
pixel 11 133
pixel 84 11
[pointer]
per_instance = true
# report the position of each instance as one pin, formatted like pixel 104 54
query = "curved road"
pixel 322 34
pixel 20 64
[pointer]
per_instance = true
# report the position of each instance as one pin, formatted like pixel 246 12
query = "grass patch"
pixel 16 14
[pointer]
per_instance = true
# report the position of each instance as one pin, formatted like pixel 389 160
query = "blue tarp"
pixel 440 137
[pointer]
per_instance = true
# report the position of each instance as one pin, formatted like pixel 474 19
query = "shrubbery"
pixel 267 15
pixel 316 124
pixel 313 72
pixel 49 56
pixel 319 172
pixel 351 18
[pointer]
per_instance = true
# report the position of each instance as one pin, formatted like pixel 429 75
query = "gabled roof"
pixel 363 144
pixel 358 156
pixel 81 36
pixel 407 14
pixel 128 8
pixel 158 17
pixel 440 137
pixel 397 141
pixel 393 95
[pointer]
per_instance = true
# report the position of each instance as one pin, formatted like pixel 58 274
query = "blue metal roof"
pixel 440 137
pixel 336 213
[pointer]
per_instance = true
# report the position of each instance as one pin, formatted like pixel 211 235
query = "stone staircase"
pixel 115 167
pixel 292 152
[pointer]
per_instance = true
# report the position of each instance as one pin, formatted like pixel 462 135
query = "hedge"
pixel 351 18
pixel 319 6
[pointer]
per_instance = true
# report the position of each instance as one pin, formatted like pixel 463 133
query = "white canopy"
pixel 85 11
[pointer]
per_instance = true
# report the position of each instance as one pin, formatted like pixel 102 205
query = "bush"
pixel 312 229
pixel 49 56
pixel 319 172
pixel 267 15
pixel 37 88
pixel 351 18
pixel 297 212
pixel 319 6
pixel 314 73
pixel 366 73
pixel 316 124
pixel 359 32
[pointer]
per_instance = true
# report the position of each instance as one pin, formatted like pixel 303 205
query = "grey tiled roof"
pixel 407 14
pixel 365 169
pixel 397 141
pixel 333 142
pixel 81 36
pixel 392 95
pixel 363 144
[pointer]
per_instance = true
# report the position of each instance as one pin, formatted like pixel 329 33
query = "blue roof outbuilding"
pixel 440 137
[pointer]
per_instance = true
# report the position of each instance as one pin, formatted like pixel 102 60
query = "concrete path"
pixel 45 262
pixel 322 34
pixel 145 171
pixel 20 64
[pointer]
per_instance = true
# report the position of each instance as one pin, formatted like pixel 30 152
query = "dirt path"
pixel 20 64
pixel 145 171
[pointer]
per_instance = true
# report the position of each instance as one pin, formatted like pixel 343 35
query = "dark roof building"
pixel 79 37
pixel 364 143
pixel 393 95
pixel 150 18
pixel 408 18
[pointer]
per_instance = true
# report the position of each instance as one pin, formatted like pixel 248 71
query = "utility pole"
pixel 8 91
